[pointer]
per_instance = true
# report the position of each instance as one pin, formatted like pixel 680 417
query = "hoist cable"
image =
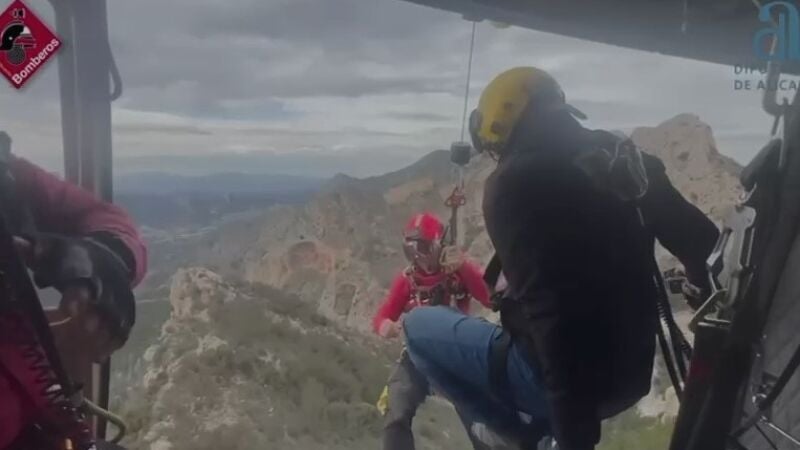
pixel 469 76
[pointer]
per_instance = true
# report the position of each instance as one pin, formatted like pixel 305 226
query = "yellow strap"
pixel 383 401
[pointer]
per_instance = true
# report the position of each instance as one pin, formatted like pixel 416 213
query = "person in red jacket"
pixel 92 253
pixel 430 279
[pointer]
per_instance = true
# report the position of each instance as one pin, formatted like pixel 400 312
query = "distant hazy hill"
pixel 217 183
pixel 164 200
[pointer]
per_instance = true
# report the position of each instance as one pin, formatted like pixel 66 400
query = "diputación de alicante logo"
pixel 26 43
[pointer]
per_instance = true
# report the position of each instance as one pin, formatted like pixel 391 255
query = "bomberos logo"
pixel 26 43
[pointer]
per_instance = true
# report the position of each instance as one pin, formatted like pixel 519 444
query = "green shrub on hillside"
pixel 295 380
pixel 319 395
pixel 631 432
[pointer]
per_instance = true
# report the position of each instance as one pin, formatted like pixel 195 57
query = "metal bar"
pixel 469 77
pixel 94 64
pixel 780 431
pixel 65 28
pixel 84 67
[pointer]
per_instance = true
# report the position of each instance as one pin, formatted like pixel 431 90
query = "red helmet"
pixel 422 241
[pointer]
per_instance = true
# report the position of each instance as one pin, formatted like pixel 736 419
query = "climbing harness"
pixel 449 290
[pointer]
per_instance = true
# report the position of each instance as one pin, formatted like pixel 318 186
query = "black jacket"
pixel 578 264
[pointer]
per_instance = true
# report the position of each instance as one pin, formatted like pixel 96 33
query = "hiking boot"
pixel 491 439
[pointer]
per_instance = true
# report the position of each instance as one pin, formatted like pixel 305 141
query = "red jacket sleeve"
pixel 394 304
pixel 472 278
pixel 61 207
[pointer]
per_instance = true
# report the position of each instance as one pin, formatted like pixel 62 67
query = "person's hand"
pixel 92 319
pixel 389 329
pixel 452 258
pixel 85 326
pixel 502 283
pixel 81 332
pixel 25 249
pixel 76 315
pixel 694 296
pixel 678 283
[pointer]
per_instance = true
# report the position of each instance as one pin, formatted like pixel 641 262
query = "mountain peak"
pixel 683 137
pixel 684 119
pixel 687 147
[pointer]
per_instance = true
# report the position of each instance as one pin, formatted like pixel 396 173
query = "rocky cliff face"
pixel 342 249
pixel 694 165
pixel 247 367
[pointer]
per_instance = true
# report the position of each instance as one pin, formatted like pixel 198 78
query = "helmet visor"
pixel 422 253
pixel 421 247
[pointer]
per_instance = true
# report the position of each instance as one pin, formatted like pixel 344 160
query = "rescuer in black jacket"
pixel 573 215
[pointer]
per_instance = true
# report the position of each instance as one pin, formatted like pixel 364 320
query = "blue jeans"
pixel 453 351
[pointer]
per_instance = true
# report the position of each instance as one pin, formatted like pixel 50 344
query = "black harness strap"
pixel 492 272
pixel 500 345
pixel 498 362
pixel 490 277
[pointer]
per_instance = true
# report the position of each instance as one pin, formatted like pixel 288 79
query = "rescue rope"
pixel 59 323
pixel 119 422
pixel 469 76
pixel 685 21
pixel 459 155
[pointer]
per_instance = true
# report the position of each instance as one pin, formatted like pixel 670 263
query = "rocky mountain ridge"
pixel 244 367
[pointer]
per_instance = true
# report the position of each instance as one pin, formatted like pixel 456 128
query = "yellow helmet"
pixel 506 98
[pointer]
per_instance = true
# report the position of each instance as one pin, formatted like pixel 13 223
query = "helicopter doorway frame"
pixel 88 82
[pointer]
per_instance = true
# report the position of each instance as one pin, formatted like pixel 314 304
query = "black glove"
pixel 694 296
pixel 678 283
pixel 60 261
pixel 496 300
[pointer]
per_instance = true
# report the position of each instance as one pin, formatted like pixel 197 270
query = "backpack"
pixel 613 163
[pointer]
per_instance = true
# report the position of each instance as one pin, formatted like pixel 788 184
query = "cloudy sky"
pixel 358 86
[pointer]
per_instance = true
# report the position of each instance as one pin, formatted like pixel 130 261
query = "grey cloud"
pixel 286 132
pixel 242 49
pixel 421 116
pixel 316 163
pixel 134 129
pixel 190 57
pixel 253 59
pixel 311 21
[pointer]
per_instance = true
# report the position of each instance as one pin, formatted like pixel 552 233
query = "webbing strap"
pixel 498 363
pixel 492 272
